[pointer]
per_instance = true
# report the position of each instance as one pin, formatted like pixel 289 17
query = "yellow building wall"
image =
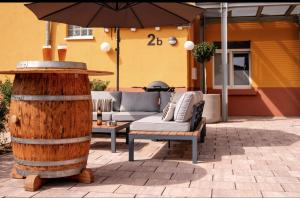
pixel 23 35
pixel 275 51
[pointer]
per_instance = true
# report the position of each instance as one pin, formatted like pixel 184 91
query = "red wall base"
pixel 264 102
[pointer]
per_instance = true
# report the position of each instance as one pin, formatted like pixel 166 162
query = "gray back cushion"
pixel 140 101
pixel 114 95
pixel 164 99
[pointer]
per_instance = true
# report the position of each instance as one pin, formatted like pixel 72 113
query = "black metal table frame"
pixel 113 133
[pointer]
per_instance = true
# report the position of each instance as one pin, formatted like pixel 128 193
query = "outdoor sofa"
pixel 144 110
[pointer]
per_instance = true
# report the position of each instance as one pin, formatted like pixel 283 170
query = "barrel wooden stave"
pixel 52 121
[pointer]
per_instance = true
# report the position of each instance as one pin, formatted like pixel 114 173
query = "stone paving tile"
pixel 253 173
pixel 107 173
pixel 280 194
pixel 103 188
pixel 151 175
pixel 138 168
pixel 125 181
pixel 294 173
pixel 15 192
pixel 235 193
pixel 277 179
pixel 259 186
pixel 234 178
pixel 168 182
pixel 186 192
pixel 146 196
pixel 147 190
pixel 61 193
pixel 191 176
pixel 105 195
pixel 214 185
pixel 13 183
pixel 292 187
pixel 166 169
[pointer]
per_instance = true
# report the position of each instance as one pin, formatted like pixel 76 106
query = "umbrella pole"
pixel 118 58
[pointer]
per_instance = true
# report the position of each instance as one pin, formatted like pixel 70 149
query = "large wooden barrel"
pixel 50 120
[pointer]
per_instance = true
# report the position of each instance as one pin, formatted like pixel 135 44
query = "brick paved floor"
pixel 246 157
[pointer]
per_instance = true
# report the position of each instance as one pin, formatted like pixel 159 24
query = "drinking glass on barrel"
pixel 62 51
pixel 47 53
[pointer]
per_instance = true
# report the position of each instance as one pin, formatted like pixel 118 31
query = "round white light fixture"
pixel 189 45
pixel 105 47
pixel 172 40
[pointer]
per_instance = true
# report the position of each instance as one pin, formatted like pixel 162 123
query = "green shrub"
pixel 98 85
pixel 203 51
pixel 5 92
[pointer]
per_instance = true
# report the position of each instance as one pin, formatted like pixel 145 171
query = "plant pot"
pixel 212 108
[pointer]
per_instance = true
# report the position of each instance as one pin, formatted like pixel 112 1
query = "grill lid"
pixel 158 84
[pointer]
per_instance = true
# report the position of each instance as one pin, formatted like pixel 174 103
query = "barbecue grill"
pixel 158 86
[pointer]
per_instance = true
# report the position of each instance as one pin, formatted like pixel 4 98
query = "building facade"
pixel 264 60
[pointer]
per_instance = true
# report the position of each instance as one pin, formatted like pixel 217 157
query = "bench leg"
pixel 194 150
pixel 169 144
pixel 113 141
pixel 131 149
pixel 127 131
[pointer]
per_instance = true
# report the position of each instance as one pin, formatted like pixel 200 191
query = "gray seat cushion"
pixel 114 95
pixel 130 116
pixel 105 115
pixel 164 99
pixel 155 123
pixel 140 101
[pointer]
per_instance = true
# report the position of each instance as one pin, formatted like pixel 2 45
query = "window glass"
pixel 241 68
pixel 74 30
pixel 218 69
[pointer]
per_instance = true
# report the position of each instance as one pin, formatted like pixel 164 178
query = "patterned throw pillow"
pixel 168 112
pixel 104 104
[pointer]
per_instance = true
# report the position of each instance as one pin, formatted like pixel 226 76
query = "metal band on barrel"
pixel 52 174
pixel 50 163
pixel 51 97
pixel 50 141
pixel 51 65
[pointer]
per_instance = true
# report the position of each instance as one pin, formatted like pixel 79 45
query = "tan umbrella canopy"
pixel 116 15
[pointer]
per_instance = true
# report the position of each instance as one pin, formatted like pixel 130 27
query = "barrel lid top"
pixel 56 71
pixel 50 64
pixel 36 66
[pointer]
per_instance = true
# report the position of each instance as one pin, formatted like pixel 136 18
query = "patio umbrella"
pixel 116 15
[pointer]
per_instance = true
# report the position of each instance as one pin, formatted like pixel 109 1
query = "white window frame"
pixel 80 37
pixel 231 74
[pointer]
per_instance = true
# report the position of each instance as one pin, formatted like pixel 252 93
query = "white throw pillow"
pixel 184 106
pixel 168 112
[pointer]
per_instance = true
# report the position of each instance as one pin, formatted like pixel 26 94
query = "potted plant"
pixel 98 85
pixel 203 52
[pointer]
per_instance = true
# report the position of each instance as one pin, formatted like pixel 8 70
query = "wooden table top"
pixel 120 125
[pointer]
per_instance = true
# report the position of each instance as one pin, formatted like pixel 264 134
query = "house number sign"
pixel 154 40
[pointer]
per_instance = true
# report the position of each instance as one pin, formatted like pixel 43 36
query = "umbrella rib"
pixel 187 21
pixel 57 11
pixel 99 9
pixel 136 16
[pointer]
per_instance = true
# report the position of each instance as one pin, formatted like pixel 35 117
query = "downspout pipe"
pixel 47 33
pixel 224 11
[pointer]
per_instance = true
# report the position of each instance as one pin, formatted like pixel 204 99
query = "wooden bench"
pixel 198 134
